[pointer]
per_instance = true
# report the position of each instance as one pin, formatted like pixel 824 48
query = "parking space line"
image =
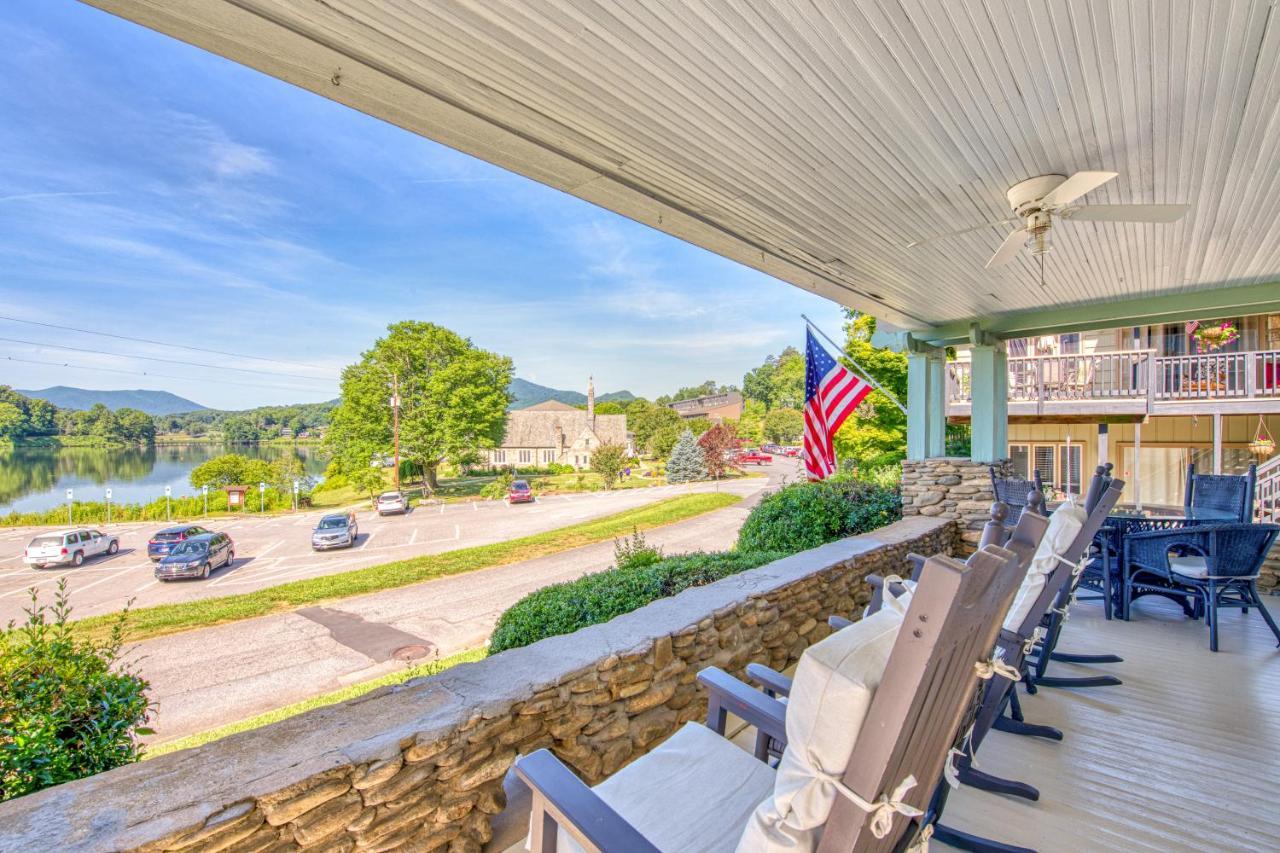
pixel 368 539
pixel 413 537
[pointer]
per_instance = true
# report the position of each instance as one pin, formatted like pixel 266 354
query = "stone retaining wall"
pixel 951 487
pixel 420 765
pixel 1269 580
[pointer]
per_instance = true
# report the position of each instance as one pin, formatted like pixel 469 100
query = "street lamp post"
pixel 108 505
pixel 205 490
pixel 168 490
pixel 262 497
pixel 295 495
pixel 70 499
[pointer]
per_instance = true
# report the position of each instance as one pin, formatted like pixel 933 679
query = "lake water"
pixel 37 478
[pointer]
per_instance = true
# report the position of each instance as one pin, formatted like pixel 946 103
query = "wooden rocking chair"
pixel 873 789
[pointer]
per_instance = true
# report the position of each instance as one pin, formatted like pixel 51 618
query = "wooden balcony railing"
pixel 1134 375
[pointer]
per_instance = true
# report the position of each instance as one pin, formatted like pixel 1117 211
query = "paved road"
pixel 274 550
pixel 249 667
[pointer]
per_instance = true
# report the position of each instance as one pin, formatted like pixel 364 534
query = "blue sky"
pixel 155 191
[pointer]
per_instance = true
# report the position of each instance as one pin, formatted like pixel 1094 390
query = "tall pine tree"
pixel 687 462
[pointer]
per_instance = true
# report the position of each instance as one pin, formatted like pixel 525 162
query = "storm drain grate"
pixel 411 652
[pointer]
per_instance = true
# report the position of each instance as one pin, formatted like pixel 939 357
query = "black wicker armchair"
pixel 1014 493
pixel 1224 492
pixel 1215 565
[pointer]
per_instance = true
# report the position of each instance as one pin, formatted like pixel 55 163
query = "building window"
pixel 499 456
pixel 548 456
pixel 1069 344
pixel 1069 468
pixel 526 455
pixel 1020 456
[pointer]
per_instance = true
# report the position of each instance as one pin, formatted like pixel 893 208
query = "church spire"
pixel 591 400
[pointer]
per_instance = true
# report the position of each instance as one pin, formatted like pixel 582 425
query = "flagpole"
pixel 865 374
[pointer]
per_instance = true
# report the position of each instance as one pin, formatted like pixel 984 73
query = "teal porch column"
pixel 926 404
pixel 990 389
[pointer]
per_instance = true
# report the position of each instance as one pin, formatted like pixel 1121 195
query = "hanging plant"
pixel 1211 337
pixel 1263 444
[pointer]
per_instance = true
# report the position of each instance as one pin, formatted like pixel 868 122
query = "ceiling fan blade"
pixel 926 240
pixel 1009 248
pixel 1075 186
pixel 1127 212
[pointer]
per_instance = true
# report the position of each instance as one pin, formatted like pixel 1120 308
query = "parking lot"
pixel 277 549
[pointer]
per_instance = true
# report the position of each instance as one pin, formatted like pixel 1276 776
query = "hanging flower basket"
pixel 1211 337
pixel 1263 445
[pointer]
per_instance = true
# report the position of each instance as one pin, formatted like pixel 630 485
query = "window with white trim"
pixel 1020 457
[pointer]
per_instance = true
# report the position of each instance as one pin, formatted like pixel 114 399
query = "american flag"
pixel 831 393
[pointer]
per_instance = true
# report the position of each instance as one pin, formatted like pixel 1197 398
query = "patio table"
pixel 1123 521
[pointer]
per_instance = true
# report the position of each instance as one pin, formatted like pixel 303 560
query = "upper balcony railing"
pixel 1138 377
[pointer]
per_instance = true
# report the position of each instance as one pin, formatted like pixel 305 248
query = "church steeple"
pixel 591 400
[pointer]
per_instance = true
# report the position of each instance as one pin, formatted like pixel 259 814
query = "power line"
pixel 157 343
pixel 169 360
pixel 156 375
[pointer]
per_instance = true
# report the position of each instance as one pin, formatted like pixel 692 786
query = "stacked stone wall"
pixel 420 766
pixel 953 488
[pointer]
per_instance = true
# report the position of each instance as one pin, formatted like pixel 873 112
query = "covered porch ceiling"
pixel 814 139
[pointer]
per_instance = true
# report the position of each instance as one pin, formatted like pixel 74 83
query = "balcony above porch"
pixel 1127 385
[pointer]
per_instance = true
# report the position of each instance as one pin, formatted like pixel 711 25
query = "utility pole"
pixel 395 425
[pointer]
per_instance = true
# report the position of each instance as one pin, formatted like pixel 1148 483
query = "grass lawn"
pixel 350 692
pixel 170 618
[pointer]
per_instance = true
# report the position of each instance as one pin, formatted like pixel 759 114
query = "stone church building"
pixel 552 431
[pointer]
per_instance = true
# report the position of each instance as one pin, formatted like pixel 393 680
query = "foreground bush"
pixel 806 515
pixel 69 708
pixel 565 607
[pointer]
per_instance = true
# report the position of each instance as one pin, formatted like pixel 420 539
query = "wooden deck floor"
pixel 1184 755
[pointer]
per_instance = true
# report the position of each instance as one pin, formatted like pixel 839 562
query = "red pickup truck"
pixel 753 457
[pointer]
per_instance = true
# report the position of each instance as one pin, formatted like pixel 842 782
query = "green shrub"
pixel 633 552
pixel 69 708
pixel 565 607
pixel 499 487
pixel 806 515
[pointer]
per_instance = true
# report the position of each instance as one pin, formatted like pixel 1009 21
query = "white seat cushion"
pixel 1064 525
pixel 1190 567
pixel 833 688
pixel 692 794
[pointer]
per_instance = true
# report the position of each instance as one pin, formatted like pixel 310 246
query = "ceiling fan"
pixel 1037 200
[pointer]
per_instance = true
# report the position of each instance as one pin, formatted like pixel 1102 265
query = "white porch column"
pixel 1104 444
pixel 1137 465
pixel 1217 443
pixel 990 387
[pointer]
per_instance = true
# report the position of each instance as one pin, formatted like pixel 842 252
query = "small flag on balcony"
pixel 831 393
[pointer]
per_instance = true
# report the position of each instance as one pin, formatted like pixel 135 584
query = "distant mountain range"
pixel 525 394
pixel 151 402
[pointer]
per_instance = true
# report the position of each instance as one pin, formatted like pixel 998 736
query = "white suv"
pixel 69 547
pixel 392 502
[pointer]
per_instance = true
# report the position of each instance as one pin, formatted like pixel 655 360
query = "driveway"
pixel 246 668
pixel 274 550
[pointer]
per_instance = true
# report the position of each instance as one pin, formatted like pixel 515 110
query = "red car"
pixel 520 493
pixel 754 457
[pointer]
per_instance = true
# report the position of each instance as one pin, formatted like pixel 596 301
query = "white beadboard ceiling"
pixel 813 139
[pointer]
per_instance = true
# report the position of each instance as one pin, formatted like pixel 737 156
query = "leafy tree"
pixel 608 460
pixel 757 384
pixel 453 399
pixel 687 461
pixel 240 430
pixel 70 708
pixel 13 421
pixel 750 426
pixel 609 407
pixel 645 419
pixel 135 426
pixel 662 441
pixel 788 381
pixel 717 444
pixel 367 479
pixel 232 469
pixel 876 434
pixel 784 426
pixel 706 389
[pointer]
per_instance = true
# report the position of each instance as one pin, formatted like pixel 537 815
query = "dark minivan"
pixel 197 556
pixel 164 541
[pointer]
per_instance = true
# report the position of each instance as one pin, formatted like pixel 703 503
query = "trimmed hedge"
pixel 806 515
pixel 565 607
